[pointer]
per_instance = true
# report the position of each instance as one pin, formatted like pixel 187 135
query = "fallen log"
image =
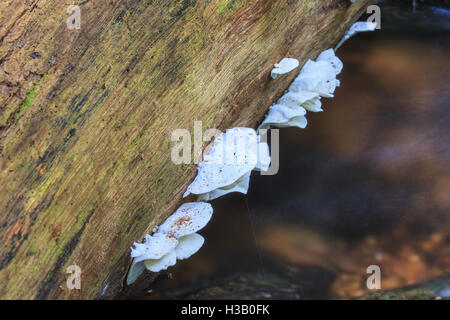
pixel 86 117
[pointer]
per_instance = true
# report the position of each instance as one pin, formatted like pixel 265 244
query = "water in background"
pixel 367 182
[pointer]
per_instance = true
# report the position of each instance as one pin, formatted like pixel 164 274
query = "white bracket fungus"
pixel 154 247
pixel 360 26
pixel 316 79
pixel 330 57
pixel 282 116
pixel 189 218
pixel 284 66
pixel 176 239
pixel 241 185
pixel 188 245
pixel 228 162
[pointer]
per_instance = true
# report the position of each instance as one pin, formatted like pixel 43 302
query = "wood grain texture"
pixel 86 117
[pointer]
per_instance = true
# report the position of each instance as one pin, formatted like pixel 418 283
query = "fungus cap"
pixel 135 271
pixel 330 57
pixel 188 245
pixel 231 155
pixel 318 77
pixel 284 66
pixel 154 247
pixel 241 185
pixel 313 105
pixel 161 264
pixel 189 218
pixel 361 26
pixel 264 160
pixel 296 97
pixel 282 116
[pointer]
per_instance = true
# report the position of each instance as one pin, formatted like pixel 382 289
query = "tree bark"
pixel 86 118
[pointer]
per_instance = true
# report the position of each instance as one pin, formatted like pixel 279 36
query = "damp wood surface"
pixel 86 118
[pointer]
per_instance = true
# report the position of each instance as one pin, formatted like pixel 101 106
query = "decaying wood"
pixel 86 117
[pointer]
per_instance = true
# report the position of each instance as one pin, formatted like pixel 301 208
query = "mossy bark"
pixel 86 118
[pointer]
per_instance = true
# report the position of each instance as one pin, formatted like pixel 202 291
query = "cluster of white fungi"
pixel 230 159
